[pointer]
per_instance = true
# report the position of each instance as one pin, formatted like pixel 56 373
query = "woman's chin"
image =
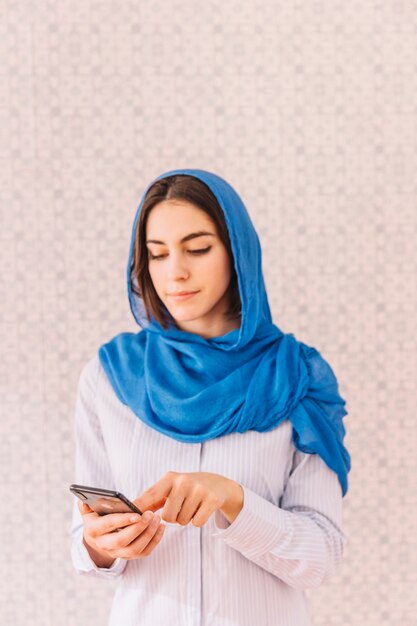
pixel 182 313
pixel 183 309
pixel 183 316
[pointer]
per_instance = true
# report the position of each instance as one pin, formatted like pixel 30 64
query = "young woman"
pixel 227 431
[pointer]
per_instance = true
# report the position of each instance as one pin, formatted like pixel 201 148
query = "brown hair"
pixel 191 189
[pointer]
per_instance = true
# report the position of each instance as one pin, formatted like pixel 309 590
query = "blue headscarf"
pixel 252 378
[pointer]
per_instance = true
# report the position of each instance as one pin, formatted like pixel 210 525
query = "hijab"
pixel 252 378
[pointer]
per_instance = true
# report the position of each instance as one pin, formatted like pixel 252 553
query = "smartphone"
pixel 104 501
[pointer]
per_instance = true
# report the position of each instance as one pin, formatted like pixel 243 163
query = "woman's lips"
pixel 184 296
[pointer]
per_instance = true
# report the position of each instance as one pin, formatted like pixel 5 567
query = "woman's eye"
pixel 153 257
pixel 201 251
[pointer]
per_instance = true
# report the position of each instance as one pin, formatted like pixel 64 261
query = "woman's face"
pixel 183 259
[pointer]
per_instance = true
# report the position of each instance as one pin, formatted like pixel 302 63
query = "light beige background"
pixel 309 110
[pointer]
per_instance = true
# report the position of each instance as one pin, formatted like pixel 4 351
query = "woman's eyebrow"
pixel 199 233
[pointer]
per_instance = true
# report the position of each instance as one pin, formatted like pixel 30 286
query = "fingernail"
pixel 134 518
pixel 147 516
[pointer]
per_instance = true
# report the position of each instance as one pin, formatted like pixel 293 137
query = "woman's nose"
pixel 177 268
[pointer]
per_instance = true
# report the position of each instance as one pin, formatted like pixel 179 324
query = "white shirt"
pixel 253 572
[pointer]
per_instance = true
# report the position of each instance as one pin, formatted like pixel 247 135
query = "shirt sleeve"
pixel 301 540
pixel 92 468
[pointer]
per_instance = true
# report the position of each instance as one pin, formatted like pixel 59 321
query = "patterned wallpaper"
pixel 309 110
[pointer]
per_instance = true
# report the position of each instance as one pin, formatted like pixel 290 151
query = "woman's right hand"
pixel 108 537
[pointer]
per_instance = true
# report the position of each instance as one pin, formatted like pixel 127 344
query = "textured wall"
pixel 309 110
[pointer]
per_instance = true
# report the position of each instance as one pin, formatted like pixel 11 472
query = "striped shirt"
pixel 254 571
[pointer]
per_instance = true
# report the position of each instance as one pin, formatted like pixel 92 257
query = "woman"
pixel 211 416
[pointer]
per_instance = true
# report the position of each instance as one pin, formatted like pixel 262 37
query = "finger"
pixel 105 524
pixel 136 547
pixel 173 507
pixel 87 513
pixel 154 541
pixel 206 509
pixel 154 507
pixel 188 510
pixel 155 494
pixel 120 540
pixel 84 508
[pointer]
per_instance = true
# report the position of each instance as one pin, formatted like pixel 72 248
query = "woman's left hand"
pixel 192 496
